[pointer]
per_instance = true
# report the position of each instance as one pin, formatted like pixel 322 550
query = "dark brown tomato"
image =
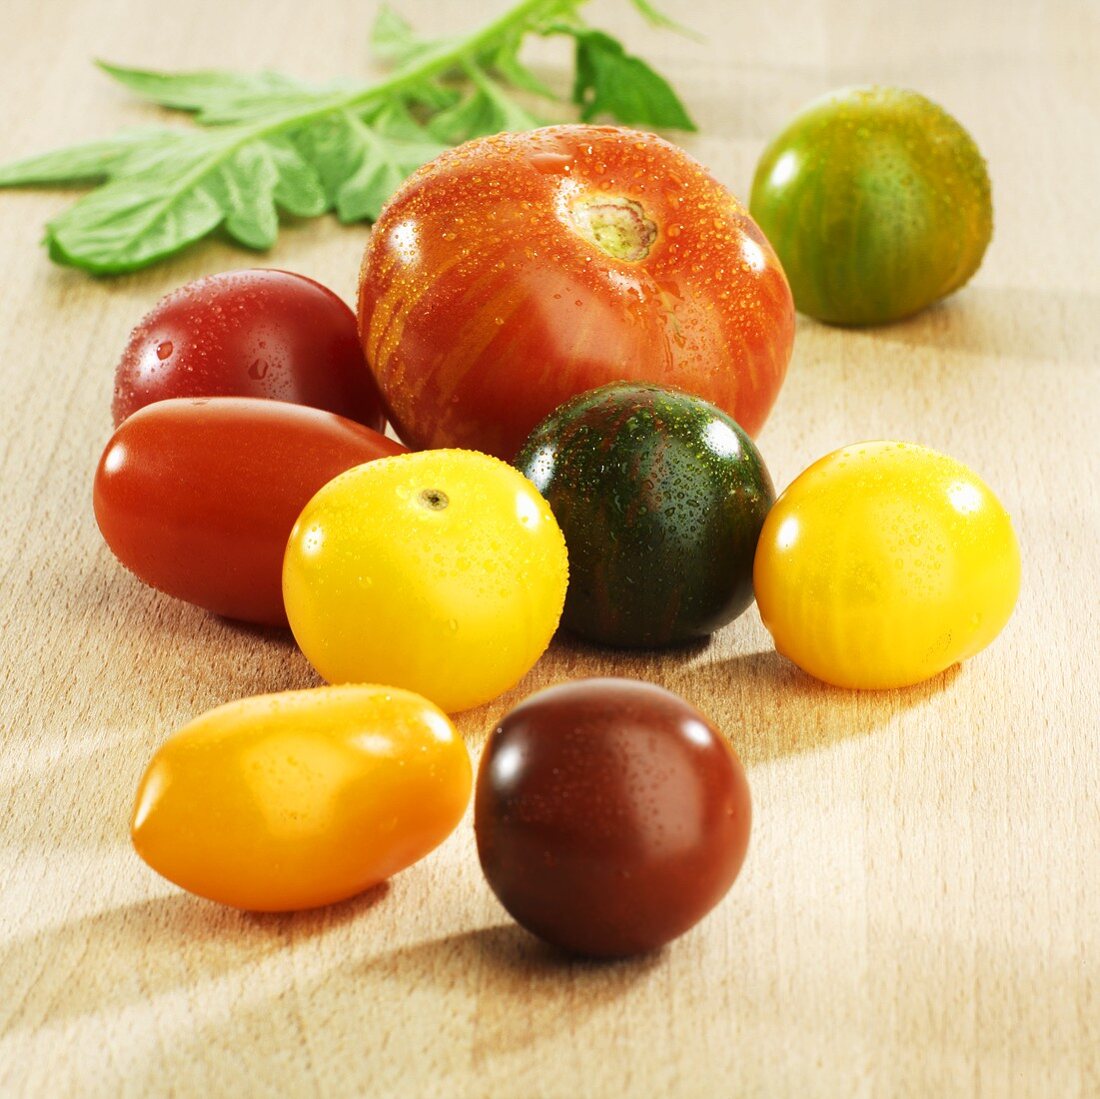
pixel 611 816
pixel 258 333
pixel 197 497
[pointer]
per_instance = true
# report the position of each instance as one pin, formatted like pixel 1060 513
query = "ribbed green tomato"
pixel 661 497
pixel 877 202
pixel 885 563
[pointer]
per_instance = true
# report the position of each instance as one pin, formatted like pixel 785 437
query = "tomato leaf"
pixel 266 142
pixel 244 188
pixel 199 91
pixel 659 19
pixel 392 38
pixel 360 164
pixel 506 62
pixel 298 190
pixel 93 160
pixel 136 219
pixel 486 110
pixel 611 81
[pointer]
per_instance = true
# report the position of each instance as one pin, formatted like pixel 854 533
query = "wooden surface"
pixel 920 911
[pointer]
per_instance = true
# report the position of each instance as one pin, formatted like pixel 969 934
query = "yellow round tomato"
pixel 883 564
pixel 299 799
pixel 443 572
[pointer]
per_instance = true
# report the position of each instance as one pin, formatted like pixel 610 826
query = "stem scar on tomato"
pixel 434 499
pixel 617 226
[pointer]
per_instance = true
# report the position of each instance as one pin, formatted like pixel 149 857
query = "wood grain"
pixel 920 911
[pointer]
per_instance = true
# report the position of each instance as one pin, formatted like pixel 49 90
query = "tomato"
pixel 878 203
pixel 611 815
pixel 443 572
pixel 198 497
pixel 661 497
pixel 519 270
pixel 300 799
pixel 885 563
pixel 249 334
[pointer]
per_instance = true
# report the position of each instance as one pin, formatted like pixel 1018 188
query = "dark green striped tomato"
pixel 877 202
pixel 661 497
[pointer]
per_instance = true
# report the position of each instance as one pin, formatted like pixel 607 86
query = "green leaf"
pixel 90 161
pixel 479 114
pixel 506 62
pixel 359 164
pixel 433 96
pixel 299 190
pixel 181 195
pixel 224 98
pixel 135 220
pixel 268 144
pixel 393 40
pixel 244 188
pixel 199 91
pixel 395 146
pixel 486 110
pixel 520 76
pixel 379 174
pixel 611 81
pixel 659 19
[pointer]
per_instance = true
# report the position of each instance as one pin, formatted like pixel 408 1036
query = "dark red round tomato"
pixel 254 333
pixel 610 814
pixel 516 271
pixel 197 497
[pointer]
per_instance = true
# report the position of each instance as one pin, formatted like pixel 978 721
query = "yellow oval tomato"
pixel 883 564
pixel 293 800
pixel 443 572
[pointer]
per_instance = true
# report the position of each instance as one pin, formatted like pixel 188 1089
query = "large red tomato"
pixel 518 270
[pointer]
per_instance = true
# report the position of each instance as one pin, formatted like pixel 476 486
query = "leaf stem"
pixel 418 72
pixel 426 67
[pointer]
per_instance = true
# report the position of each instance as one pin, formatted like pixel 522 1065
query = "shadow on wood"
pixel 128 954
pixel 995 323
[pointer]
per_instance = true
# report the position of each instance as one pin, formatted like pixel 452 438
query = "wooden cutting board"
pixel 920 911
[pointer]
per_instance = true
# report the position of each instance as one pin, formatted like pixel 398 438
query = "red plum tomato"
pixel 260 333
pixel 516 271
pixel 198 497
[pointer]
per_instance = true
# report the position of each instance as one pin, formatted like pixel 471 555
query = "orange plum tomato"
pixel 519 270
pixel 295 800
pixel 198 497
pixel 258 333
pixel 883 564
pixel 443 572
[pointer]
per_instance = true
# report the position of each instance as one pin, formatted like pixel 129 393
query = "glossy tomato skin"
pixel 885 563
pixel 661 497
pixel 197 497
pixel 294 800
pixel 255 333
pixel 878 203
pixel 611 815
pixel 486 299
pixel 443 572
